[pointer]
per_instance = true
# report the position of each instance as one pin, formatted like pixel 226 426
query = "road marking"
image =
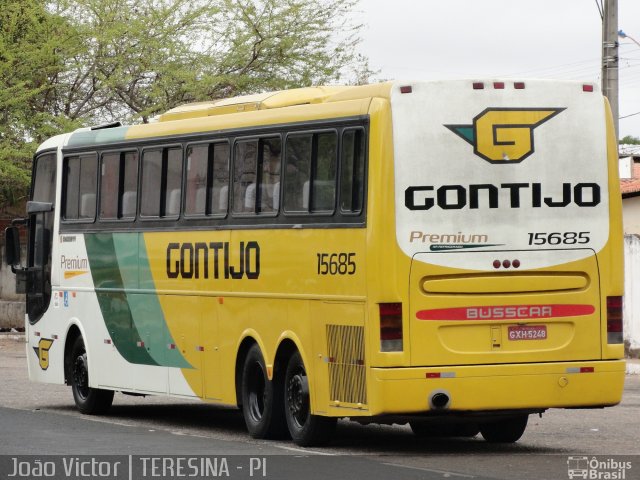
pixel 442 472
pixel 304 450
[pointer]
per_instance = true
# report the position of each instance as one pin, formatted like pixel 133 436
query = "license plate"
pixel 528 332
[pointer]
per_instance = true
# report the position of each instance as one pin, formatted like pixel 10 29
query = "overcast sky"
pixel 435 39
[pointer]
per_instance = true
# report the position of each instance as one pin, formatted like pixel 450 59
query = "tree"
pixel 147 56
pixel 68 63
pixel 32 42
pixel 630 140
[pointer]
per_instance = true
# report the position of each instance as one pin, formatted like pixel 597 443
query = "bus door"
pixel 40 238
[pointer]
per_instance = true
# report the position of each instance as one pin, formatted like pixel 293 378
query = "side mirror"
pixel 39 207
pixel 12 247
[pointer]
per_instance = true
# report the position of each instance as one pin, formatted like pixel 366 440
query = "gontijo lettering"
pixel 455 197
pixel 202 259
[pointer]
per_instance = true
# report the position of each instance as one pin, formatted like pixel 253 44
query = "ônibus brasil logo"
pixel 504 135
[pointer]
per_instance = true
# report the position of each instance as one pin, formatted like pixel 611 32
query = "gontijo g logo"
pixel 504 135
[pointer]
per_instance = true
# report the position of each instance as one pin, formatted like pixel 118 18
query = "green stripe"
pixel 115 262
pixel 148 315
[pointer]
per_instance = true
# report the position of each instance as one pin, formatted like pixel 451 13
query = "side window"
pixel 310 172
pixel 256 176
pixel 118 185
pixel 352 171
pixel 151 183
pixel 207 187
pixel 80 180
pixel 161 189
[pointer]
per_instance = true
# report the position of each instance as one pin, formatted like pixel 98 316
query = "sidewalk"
pixel 633 366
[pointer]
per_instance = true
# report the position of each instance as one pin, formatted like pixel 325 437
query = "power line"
pixel 631 115
pixel 600 9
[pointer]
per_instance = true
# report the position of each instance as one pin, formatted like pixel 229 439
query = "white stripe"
pixel 443 472
pixel 304 450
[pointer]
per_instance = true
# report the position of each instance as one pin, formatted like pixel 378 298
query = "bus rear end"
pixel 508 211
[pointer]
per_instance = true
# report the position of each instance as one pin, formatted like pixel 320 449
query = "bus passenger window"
pixel 244 176
pixel 196 186
pixel 207 179
pixel 352 172
pixel 161 191
pixel 256 176
pixel 80 187
pixel 173 187
pixel 297 173
pixel 218 199
pixel 310 174
pixel 118 185
pixel 130 193
pixel 324 179
pixel 151 183
pixel 271 167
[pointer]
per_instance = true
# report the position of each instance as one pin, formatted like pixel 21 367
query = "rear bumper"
pixel 497 387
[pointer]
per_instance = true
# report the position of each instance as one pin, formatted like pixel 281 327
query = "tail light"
pixel 614 320
pixel 391 327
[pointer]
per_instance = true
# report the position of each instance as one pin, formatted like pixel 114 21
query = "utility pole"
pixel 610 58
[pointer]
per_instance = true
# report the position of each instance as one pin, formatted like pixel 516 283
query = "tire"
pixel 422 429
pixel 262 400
pixel 504 431
pixel 90 401
pixel 306 429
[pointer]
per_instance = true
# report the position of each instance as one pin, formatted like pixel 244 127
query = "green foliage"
pixel 69 63
pixel 630 140
pixel 32 55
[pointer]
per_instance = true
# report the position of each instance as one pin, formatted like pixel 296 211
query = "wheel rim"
pixel 298 398
pixel 257 392
pixel 81 376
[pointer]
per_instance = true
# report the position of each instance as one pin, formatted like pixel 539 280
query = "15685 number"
pixel 557 238
pixel 336 263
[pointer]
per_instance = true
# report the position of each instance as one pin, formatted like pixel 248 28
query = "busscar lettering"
pixel 457 197
pixel 521 311
pixel 203 260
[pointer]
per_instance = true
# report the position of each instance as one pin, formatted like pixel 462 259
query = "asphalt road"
pixel 38 419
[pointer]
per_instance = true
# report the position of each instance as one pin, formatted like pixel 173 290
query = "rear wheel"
pixel 305 429
pixel 261 399
pixel 90 401
pixel 504 431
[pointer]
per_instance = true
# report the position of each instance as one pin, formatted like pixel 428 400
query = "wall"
pixel 632 293
pixel 12 305
pixel 631 215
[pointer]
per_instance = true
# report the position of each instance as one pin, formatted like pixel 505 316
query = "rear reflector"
pixel 614 320
pixel 406 89
pixel 587 88
pixel 580 370
pixel 478 85
pixel 390 327
pixel 518 85
pixel 440 375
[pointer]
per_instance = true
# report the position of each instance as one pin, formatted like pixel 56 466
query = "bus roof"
pixel 278 99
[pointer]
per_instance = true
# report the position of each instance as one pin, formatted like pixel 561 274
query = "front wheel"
pixel 90 401
pixel 306 429
pixel 504 431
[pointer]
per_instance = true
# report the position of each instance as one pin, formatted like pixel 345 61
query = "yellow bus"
pixel 443 254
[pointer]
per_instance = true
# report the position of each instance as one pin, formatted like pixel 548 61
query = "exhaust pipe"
pixel 439 400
